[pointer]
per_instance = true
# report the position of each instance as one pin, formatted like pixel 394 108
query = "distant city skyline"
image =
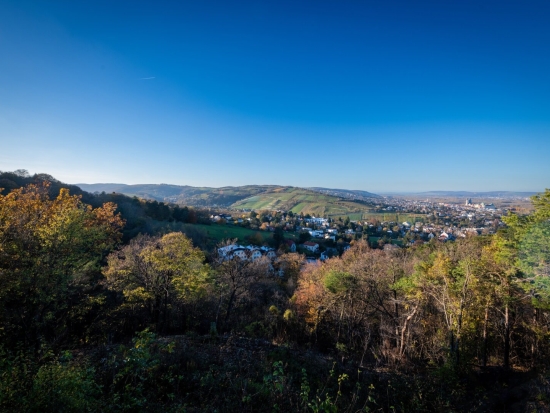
pixel 378 96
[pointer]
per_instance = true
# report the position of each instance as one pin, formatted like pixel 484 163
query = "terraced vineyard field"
pixel 303 201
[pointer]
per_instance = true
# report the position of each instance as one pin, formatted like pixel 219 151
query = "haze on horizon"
pixel 392 97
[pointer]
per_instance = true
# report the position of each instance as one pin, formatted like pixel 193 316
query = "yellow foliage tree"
pixel 152 272
pixel 48 248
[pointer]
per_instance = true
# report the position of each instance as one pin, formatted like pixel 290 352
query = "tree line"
pixel 141 216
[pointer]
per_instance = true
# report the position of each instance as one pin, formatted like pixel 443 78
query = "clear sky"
pixel 373 95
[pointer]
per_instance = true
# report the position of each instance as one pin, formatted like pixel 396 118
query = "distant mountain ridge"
pixel 346 193
pixel 183 194
pixel 220 197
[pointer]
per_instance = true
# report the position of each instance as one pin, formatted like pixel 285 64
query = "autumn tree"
pixel 152 272
pixel 352 300
pixel 289 265
pixel 49 251
pixel 521 252
pixel 234 279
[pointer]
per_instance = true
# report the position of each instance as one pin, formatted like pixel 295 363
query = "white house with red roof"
pixel 311 246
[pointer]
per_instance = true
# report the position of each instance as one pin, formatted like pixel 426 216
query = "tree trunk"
pixel 506 337
pixel 218 310
pixel 165 314
pixel 485 337
pixel 404 330
pixel 534 344
pixel 452 344
pixel 396 317
pixel 457 340
pixel 230 305
pixel 340 323
pixel 457 351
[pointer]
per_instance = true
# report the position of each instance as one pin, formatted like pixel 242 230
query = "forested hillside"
pixel 318 201
pixel 184 195
pixel 141 216
pixel 94 317
pixel 346 193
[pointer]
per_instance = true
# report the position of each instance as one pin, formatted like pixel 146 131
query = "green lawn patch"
pixel 221 232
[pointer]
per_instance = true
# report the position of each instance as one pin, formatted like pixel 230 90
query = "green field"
pixel 221 232
pixel 298 208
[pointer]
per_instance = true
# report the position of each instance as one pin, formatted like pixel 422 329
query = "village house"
pixel 239 253
pixel 249 252
pixel 316 234
pixel 269 252
pixel 311 246
pixel 291 245
pixel 317 221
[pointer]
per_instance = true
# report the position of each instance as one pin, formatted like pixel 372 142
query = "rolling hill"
pixel 313 201
pixel 306 201
pixel 347 193
pixel 185 195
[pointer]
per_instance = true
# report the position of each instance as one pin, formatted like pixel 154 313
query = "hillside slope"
pixel 314 201
pixel 347 193
pixel 299 200
pixel 183 194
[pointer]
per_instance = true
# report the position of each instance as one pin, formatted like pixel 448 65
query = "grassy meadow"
pixel 221 232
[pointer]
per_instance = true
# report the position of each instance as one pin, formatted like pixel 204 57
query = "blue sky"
pixel 380 96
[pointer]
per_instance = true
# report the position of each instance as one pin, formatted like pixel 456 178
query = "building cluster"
pixel 247 253
pixel 219 217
